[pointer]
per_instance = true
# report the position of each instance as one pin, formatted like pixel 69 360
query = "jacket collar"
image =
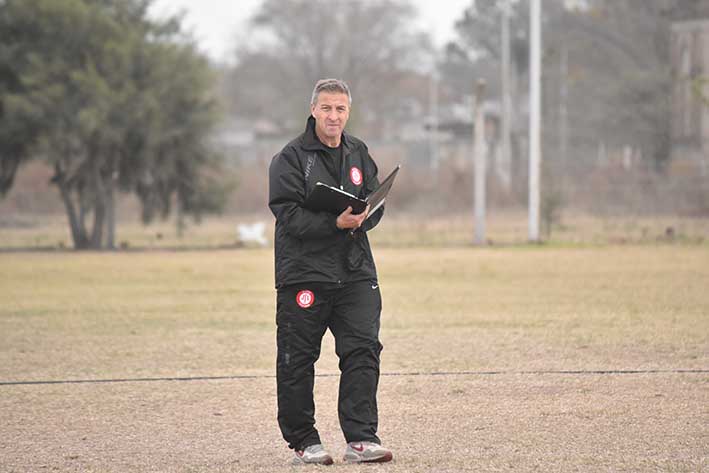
pixel 312 143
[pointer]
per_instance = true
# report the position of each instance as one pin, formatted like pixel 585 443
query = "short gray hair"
pixel 335 86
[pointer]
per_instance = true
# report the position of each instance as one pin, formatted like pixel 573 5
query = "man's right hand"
pixel 348 220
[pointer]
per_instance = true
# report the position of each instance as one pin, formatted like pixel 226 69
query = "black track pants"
pixel 351 312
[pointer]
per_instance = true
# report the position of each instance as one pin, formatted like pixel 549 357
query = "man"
pixel 326 278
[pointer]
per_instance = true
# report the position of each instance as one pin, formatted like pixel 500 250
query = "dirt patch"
pixel 434 424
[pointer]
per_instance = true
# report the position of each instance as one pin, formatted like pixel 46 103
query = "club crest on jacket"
pixel 356 176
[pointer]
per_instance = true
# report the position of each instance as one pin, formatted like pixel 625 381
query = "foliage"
pixel 111 99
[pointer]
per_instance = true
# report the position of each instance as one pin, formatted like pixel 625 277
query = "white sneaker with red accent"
pixel 314 454
pixel 367 452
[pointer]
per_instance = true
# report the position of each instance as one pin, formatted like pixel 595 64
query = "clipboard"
pixel 325 198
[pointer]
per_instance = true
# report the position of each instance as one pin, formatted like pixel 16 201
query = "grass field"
pixel 510 359
pixel 504 228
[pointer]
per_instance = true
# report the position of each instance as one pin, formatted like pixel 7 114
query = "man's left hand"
pixel 348 220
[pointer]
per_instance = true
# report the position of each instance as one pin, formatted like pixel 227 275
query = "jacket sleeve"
pixel 286 196
pixel 371 182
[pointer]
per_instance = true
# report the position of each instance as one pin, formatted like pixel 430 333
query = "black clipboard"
pixel 325 198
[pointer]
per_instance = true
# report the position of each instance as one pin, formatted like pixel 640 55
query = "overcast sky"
pixel 214 22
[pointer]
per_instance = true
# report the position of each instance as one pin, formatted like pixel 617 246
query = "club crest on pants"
pixel 305 298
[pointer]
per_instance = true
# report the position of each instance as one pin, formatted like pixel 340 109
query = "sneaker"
pixel 314 454
pixel 367 452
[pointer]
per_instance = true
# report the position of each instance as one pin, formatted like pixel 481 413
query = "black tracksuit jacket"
pixel 308 245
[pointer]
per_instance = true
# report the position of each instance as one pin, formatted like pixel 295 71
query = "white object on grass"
pixel 252 233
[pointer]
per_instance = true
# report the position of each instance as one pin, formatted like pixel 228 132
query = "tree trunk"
pixel 97 231
pixel 110 215
pixel 83 210
pixel 78 234
pixel 99 211
pixel 180 220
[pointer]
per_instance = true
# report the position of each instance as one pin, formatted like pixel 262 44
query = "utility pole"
pixel 563 115
pixel 433 113
pixel 535 94
pixel 479 165
pixel 505 165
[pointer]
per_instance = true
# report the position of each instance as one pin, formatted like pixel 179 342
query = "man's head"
pixel 330 106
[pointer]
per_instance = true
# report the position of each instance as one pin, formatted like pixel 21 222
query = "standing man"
pixel 326 278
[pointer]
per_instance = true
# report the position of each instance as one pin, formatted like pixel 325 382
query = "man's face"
pixel 331 113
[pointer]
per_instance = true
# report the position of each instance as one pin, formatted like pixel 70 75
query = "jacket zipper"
pixel 342 166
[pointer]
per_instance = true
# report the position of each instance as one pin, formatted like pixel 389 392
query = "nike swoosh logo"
pixel 375 286
pixel 359 448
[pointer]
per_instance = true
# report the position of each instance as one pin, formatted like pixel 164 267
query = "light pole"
pixel 505 166
pixel 480 164
pixel 535 119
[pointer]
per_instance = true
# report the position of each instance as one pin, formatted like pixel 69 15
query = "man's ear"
pixel 312 109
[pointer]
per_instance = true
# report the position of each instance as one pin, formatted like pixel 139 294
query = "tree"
pixel 372 45
pixel 111 99
pixel 178 155
pixel 618 66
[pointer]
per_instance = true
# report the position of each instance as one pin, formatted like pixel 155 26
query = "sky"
pixel 214 22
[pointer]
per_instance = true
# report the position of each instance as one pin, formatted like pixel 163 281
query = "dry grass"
pixel 210 313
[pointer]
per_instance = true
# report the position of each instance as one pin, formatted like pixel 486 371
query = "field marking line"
pixel 331 375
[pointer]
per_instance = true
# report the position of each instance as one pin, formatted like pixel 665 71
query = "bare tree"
pixel 371 44
pixel 617 67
